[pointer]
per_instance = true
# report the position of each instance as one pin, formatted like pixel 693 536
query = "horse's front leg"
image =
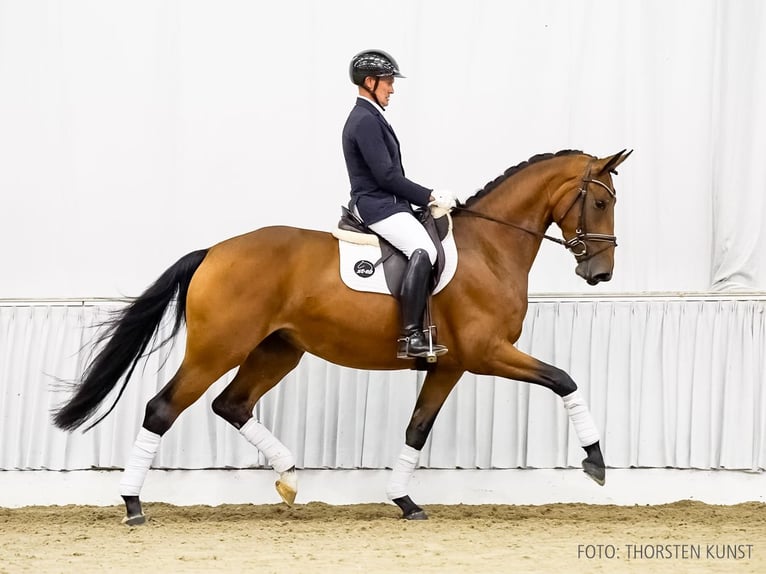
pixel 507 361
pixel 436 388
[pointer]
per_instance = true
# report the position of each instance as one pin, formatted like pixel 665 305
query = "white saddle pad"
pixel 359 272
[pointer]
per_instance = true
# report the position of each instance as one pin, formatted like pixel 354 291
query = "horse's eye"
pixel 600 204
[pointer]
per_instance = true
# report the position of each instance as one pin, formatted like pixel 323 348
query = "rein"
pixel 509 224
pixel 577 245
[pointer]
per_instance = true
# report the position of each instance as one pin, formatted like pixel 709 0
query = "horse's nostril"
pixel 606 276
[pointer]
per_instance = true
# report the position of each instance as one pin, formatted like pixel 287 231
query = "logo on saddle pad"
pixel 364 268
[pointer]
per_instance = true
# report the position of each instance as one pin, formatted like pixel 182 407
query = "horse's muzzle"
pixel 596 279
pixel 593 276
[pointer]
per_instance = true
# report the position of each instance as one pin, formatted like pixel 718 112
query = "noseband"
pixel 577 245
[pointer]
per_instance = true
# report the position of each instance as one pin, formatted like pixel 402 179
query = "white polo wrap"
pixel 402 472
pixel 140 460
pixel 581 418
pixel 279 457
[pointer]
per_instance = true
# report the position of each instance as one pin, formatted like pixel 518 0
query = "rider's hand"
pixel 443 198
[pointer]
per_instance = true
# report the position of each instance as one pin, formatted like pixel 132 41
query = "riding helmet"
pixel 376 63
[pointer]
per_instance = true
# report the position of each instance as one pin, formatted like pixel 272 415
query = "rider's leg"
pixel 408 235
pixel 412 304
pixel 405 233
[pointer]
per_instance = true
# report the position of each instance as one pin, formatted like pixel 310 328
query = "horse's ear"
pixel 609 164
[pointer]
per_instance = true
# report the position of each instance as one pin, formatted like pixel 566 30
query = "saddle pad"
pixel 359 272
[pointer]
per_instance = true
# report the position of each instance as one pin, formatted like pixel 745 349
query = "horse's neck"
pixel 525 200
pixel 522 200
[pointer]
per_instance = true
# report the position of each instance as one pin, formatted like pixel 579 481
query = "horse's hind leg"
pixel 436 389
pixel 188 384
pixel 266 365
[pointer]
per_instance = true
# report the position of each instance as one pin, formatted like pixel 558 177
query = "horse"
pixel 259 301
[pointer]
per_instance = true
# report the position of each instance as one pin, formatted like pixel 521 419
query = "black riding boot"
pixel 412 301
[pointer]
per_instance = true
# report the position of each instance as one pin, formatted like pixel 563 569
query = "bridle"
pixel 577 245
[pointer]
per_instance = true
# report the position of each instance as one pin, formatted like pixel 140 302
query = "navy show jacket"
pixel 373 160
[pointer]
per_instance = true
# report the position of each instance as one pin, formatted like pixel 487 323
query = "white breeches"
pixel 405 233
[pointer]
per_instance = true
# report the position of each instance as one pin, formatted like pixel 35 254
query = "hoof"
pixel 285 492
pixel 287 486
pixel 596 471
pixel 134 520
pixel 410 510
pixel 134 515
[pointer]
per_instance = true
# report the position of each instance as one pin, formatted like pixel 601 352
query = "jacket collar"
pixel 370 104
pixel 375 109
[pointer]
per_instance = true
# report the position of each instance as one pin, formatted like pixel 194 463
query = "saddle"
pixel 353 230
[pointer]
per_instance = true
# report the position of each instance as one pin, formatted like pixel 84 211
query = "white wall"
pixel 133 132
pixel 428 486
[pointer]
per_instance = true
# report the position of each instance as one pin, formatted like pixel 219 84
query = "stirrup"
pixel 430 354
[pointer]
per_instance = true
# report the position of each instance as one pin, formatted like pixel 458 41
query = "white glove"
pixel 443 199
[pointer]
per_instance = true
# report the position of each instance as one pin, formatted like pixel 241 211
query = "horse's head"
pixel 586 218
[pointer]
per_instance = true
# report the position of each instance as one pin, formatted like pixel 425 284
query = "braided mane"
pixel 514 170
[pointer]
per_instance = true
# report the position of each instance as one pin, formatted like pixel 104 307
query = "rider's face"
pixel 384 90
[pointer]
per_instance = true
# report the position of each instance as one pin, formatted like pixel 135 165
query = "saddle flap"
pixel 369 263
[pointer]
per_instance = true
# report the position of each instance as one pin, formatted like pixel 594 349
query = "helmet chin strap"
pixel 373 90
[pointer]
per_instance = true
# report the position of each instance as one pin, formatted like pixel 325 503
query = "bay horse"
pixel 261 300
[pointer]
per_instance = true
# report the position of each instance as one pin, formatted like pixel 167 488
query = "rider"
pixel 381 196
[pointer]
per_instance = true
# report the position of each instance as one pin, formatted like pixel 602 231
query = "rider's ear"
pixel 610 163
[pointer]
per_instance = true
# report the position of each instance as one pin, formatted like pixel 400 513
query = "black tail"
pixel 127 336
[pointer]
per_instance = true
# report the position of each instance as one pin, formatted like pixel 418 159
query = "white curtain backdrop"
pixel 671 382
pixel 134 132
